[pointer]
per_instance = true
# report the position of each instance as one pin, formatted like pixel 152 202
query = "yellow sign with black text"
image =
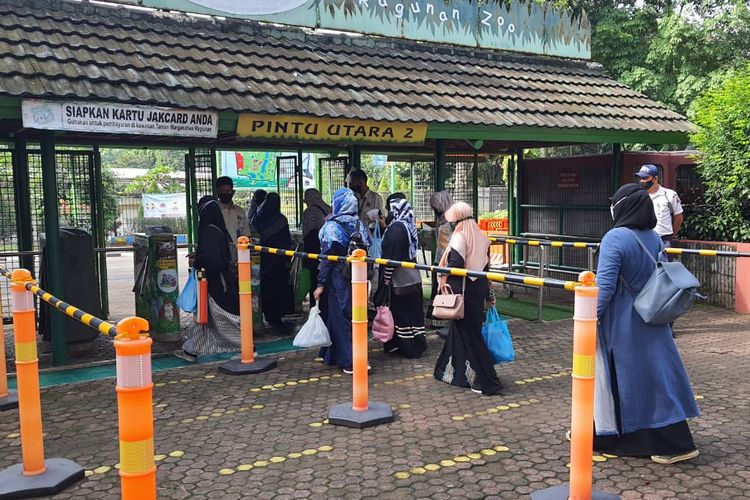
pixel 303 128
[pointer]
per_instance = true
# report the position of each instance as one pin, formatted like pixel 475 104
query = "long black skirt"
pixel 408 317
pixel 465 360
pixel 674 439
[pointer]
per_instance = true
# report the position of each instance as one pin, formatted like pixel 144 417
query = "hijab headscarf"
pixel 269 218
pixel 259 195
pixel 209 214
pixel 440 203
pixel 345 212
pixel 402 213
pixel 632 207
pixel 477 245
pixel 317 210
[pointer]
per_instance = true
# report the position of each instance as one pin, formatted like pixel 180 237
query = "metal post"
pixel 439 165
pixel 475 185
pixel 188 201
pixel 590 251
pixel 214 170
pixel 616 166
pixel 393 178
pixel 52 237
pixel 299 202
pixel 411 183
pixel 193 200
pixel 540 296
pixel 519 196
pixel 23 202
pixel 101 235
pixel 355 157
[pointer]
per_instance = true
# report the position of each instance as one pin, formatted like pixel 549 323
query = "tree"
pixel 143 158
pixel 109 200
pixel 157 180
pixel 723 117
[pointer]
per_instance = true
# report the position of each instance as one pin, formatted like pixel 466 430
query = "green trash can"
pixel 156 282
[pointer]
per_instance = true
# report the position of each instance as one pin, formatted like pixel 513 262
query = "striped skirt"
pixel 220 334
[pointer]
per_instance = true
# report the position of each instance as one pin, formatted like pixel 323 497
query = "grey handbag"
pixel 669 292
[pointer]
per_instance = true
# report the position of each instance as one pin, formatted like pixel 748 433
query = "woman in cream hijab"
pixel 465 360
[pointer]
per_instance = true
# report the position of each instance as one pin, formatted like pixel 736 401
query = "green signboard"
pixel 515 25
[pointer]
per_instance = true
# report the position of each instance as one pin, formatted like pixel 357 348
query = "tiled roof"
pixel 57 48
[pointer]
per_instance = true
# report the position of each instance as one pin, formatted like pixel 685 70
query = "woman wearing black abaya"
pixel 399 287
pixel 221 333
pixel 276 296
pixel 313 219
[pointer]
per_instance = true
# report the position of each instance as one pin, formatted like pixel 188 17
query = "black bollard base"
pixel 561 493
pixel 10 401
pixel 376 414
pixel 60 474
pixel 237 367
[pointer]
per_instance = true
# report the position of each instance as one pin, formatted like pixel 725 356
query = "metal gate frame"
pixel 286 175
pixel 326 182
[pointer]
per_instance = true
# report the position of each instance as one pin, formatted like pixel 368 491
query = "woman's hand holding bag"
pixel 448 305
pixel 188 299
pixel 314 332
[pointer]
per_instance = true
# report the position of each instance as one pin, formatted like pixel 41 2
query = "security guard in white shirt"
pixel 667 205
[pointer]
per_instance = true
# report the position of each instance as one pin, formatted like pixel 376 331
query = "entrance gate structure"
pixel 454 94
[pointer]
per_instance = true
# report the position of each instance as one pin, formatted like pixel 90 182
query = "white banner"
pixel 118 118
pixel 156 206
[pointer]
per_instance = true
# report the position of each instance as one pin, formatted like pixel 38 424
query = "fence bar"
pixel 360 413
pixel 246 364
pixel 540 290
pixel 518 279
pixel 35 476
pixel 582 405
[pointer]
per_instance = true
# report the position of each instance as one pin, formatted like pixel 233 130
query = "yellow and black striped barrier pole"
pixel 584 244
pixel 518 279
pixel 87 319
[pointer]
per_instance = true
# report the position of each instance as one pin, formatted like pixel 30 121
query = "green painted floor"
pixel 88 373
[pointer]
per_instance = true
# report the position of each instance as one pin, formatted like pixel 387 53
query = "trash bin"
pixel 80 286
pixel 156 282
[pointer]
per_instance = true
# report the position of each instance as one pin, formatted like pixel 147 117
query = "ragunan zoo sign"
pixel 516 25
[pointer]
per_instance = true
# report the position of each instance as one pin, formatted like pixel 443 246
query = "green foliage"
pixel 109 200
pixel 723 115
pixel 143 158
pixel 157 180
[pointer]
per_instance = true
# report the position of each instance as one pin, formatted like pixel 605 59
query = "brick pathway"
pixel 266 436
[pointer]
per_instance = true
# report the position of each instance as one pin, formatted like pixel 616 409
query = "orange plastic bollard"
pixel 35 475
pixel 247 364
pixel 201 315
pixel 582 414
pixel 27 369
pixel 135 410
pixel 8 398
pixel 360 412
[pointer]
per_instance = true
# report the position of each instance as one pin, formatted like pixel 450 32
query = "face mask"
pixel 225 198
pixel 646 184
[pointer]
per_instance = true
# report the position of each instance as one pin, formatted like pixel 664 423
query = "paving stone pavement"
pixel 266 436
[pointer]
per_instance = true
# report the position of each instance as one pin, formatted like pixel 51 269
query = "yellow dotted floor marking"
pixel 103 469
pixel 203 378
pixel 412 378
pixel 549 376
pixel 214 414
pixel 278 459
pixel 494 409
pixel 469 457
pixel 291 383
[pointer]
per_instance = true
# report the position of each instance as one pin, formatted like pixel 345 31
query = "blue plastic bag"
pixel 497 337
pixel 376 243
pixel 188 299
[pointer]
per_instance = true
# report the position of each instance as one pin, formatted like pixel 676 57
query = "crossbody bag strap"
pixel 645 249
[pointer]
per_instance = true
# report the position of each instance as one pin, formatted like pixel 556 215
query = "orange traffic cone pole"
pixel 247 364
pixel 134 409
pixel 8 398
pixel 35 474
pixel 360 412
pixel 582 414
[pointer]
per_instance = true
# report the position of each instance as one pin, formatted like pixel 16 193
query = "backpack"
pixel 356 241
pixel 669 292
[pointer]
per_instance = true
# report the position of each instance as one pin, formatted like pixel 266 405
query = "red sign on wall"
pixel 568 179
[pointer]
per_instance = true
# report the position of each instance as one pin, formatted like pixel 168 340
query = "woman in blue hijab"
pixel 398 287
pixel 334 289
pixel 642 392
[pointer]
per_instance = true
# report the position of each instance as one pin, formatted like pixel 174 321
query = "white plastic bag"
pixel 314 332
